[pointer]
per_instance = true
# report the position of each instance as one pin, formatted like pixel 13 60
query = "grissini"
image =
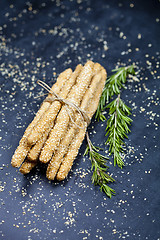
pixel 54 164
pixel 62 122
pixel 44 124
pixel 36 149
pixel 23 148
pixel 57 158
pixel 27 166
pixel 71 133
pixel 67 161
pixel 33 154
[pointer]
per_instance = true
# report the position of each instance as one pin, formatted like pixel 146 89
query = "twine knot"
pixel 69 105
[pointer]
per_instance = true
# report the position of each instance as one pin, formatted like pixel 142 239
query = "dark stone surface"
pixel 38 38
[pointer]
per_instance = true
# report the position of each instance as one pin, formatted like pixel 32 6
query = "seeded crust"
pixel 75 145
pixel 50 115
pixel 62 122
pixel 36 149
pixel 85 93
pixel 56 160
pixel 27 166
pixel 23 148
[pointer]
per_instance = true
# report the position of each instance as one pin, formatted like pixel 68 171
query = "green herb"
pixel 113 86
pixel 98 161
pixel 117 128
pixel 117 125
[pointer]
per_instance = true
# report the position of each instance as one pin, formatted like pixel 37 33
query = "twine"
pixel 67 104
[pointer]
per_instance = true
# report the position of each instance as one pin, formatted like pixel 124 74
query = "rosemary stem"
pixel 99 177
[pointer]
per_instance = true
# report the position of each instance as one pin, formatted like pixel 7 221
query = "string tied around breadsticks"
pixel 69 105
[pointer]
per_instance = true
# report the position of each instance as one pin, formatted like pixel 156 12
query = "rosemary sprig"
pixel 117 125
pixel 117 128
pixel 98 161
pixel 113 86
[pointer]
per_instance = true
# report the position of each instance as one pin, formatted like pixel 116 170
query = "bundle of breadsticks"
pixel 58 129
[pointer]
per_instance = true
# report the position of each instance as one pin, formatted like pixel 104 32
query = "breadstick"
pixel 62 122
pixel 75 145
pixel 27 166
pixel 56 160
pixel 35 150
pixel 23 148
pixel 34 153
pixel 44 124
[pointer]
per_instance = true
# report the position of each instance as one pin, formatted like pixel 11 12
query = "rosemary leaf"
pixel 118 123
pixel 113 86
pixel 117 128
pixel 99 167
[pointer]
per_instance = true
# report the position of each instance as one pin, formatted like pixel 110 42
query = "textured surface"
pixel 39 39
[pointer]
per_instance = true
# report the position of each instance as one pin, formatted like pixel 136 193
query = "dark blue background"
pixel 39 38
